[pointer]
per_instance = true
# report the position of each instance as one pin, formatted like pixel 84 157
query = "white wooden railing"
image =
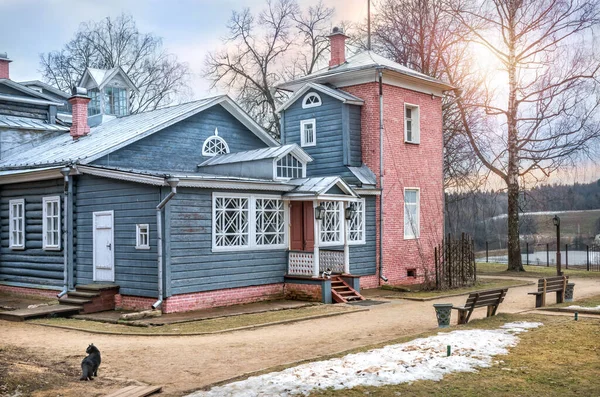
pixel 301 263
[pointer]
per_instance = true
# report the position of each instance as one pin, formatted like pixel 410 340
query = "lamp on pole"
pixel 556 221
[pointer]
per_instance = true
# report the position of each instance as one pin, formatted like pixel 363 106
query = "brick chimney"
pixel 337 39
pixel 4 69
pixel 79 102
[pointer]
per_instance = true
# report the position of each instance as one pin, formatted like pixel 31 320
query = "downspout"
pixel 65 172
pixel 173 183
pixel 381 276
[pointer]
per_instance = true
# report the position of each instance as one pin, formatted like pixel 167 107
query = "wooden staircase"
pixel 341 292
pixel 92 298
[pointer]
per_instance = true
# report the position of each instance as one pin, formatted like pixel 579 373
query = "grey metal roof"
pixel 48 87
pixel 364 175
pixel 102 76
pixel 319 185
pixel 26 90
pixel 343 96
pixel 258 154
pixel 25 123
pixel 105 138
pixel 360 61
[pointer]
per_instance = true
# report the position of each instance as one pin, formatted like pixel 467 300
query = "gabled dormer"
pixel 110 92
pixel 325 122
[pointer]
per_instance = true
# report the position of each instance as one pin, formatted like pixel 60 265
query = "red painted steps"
pixel 342 292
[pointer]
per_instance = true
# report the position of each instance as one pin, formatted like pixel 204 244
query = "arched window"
pixel 214 145
pixel 311 100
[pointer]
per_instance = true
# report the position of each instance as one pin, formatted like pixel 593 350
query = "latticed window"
pixel 330 225
pixel 115 101
pixel 142 239
pixel 356 225
pixel 17 223
pixel 270 222
pixel 215 145
pixel 51 223
pixel 231 221
pixel 308 133
pixel 411 213
pixel 311 100
pixel 94 105
pixel 289 167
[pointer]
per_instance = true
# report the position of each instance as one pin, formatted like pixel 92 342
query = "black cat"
pixel 90 364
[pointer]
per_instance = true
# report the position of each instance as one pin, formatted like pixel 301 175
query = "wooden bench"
pixel 491 298
pixel 556 284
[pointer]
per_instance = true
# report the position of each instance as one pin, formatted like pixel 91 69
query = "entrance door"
pixel 104 257
pixel 302 235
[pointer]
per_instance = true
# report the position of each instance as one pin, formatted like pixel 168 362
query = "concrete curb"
pixel 248 327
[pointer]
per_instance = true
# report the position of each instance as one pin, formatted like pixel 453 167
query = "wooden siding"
pixel 135 270
pixel 355 148
pixel 38 112
pixel 179 147
pixel 194 267
pixel 363 257
pixel 33 265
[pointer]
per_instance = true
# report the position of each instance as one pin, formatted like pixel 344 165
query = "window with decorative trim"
pixel 308 133
pixel 142 237
pixel 16 220
pixel 411 123
pixel 411 213
pixel 289 167
pixel 270 222
pixel 246 221
pixel 311 100
pixel 214 145
pixel 356 225
pixel 115 101
pixel 331 226
pixel 51 224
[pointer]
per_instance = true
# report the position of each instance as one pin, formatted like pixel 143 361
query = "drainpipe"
pixel 65 171
pixel 173 183
pixel 381 276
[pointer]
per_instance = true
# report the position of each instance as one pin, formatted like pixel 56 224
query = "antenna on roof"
pixel 369 25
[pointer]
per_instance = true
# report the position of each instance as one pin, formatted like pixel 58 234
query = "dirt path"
pixel 186 363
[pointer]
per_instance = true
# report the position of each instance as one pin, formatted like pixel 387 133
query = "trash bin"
pixel 569 292
pixel 443 311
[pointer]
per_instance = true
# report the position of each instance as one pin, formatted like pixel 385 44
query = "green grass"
pixel 592 301
pixel 481 284
pixel 562 358
pixel 499 269
pixel 199 327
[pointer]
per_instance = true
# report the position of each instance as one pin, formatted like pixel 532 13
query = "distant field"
pixel 570 223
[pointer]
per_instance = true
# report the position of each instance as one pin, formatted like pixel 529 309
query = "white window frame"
pixel 214 137
pixel 275 166
pixel 45 245
pixel 311 105
pixel 361 213
pixel 410 235
pixel 138 236
pixel 251 241
pixel 21 224
pixel 303 142
pixel 416 123
pixel 341 218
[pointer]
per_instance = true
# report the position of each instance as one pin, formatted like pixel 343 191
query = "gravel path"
pixel 186 363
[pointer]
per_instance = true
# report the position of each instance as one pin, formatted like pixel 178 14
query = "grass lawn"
pixel 499 269
pixel 200 327
pixel 592 301
pixel 562 358
pixel 481 284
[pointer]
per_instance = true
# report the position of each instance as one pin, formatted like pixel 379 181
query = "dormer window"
pixel 311 100
pixel 94 106
pixel 214 145
pixel 116 101
pixel 289 167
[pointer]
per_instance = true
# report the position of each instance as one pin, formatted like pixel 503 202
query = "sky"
pixel 189 28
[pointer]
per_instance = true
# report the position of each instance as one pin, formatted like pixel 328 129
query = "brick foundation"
pixel 303 292
pixel 126 302
pixel 24 291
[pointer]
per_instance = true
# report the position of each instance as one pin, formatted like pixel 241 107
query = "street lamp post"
pixel 556 221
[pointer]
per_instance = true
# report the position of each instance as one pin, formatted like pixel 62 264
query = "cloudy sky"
pixel 189 28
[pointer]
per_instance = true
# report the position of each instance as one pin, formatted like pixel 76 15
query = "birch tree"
pixel 541 105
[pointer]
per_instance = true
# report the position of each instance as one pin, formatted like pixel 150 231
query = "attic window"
pixel 214 145
pixel 311 100
pixel 290 167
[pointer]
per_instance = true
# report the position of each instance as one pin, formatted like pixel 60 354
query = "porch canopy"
pixel 330 196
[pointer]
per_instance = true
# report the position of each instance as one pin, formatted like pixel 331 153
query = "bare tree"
pixel 541 103
pixel 159 76
pixel 281 42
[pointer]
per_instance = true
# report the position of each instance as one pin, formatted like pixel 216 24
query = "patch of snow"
pixel 583 307
pixel 420 359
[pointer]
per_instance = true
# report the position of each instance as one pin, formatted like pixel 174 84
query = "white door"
pixel 104 257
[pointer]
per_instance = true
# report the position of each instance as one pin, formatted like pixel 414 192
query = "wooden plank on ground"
pixel 135 391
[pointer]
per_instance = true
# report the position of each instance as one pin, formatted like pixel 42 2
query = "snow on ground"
pixel 420 359
pixel 583 307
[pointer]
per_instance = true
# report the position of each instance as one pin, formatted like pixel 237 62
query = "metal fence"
pixel 455 263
